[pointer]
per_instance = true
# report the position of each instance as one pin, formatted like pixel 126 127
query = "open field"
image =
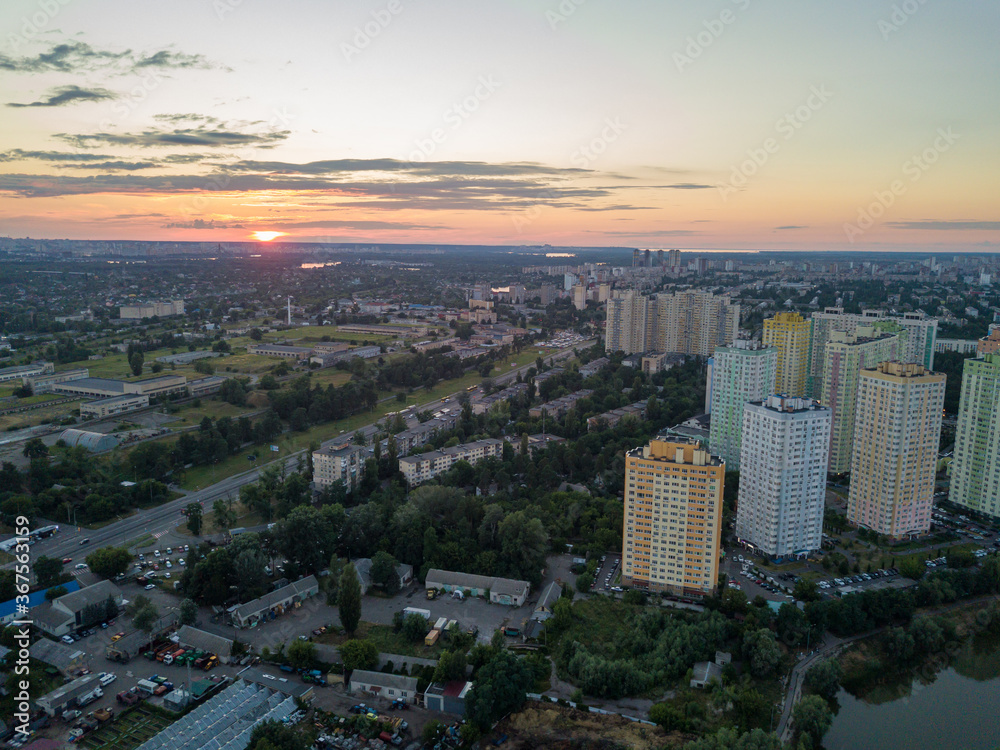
pixel 192 415
pixel 130 729
pixel 288 443
pixel 387 641
pixel 37 416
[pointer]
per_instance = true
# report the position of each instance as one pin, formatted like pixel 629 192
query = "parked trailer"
pixel 432 637
pixel 425 613
pixel 441 623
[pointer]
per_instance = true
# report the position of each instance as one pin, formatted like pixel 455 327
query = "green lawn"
pixel 192 415
pixel 387 641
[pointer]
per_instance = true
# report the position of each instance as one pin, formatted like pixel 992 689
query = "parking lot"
pixel 607 573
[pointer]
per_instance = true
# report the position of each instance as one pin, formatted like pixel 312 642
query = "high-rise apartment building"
pixel 897 429
pixel 921 333
pixel 580 296
pixel 689 322
pixel 673 517
pixel 741 373
pixel 783 461
pixel 846 354
pixel 788 332
pixel 975 470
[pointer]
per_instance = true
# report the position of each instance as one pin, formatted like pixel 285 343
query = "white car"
pixel 106 678
pixel 150 586
pixel 180 561
pixel 67 639
pixel 81 566
pixel 168 564
pixel 156 553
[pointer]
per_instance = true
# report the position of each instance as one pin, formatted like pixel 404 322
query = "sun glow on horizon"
pixel 265 236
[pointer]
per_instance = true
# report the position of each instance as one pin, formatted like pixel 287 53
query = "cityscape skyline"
pixel 527 123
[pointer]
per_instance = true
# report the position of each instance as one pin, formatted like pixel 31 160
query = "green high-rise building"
pixel 975 469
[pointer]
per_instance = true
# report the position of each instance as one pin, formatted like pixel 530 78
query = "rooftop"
pixel 382 679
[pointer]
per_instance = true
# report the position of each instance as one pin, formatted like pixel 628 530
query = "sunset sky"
pixel 787 124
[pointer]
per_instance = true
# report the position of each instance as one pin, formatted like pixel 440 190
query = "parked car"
pixel 149 587
pixel 84 541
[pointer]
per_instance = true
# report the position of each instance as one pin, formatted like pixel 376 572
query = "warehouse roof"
pixel 385 680
pixel 276 597
pixel 59 655
pixel 96 594
pixel 201 639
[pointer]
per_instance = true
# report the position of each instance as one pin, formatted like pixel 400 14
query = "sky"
pixel 742 124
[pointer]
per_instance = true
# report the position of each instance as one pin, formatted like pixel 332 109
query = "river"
pixel 957 711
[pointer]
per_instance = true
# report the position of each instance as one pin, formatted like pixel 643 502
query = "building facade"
pixel 342 462
pixel 896 441
pixel 687 322
pixel 846 354
pixel 788 332
pixel 423 466
pixel 921 335
pixel 975 470
pixel 673 518
pixel 785 449
pixel 741 373
pixel 153 309
pixel 108 407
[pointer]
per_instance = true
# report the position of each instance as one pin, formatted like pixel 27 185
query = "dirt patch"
pixel 568 729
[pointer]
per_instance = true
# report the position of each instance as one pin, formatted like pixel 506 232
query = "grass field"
pixel 130 729
pixel 387 641
pixel 192 415
pixel 37 416
pixel 288 443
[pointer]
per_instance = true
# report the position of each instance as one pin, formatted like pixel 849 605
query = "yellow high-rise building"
pixel 672 529
pixel 788 332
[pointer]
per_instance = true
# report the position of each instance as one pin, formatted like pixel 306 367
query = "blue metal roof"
pixel 9 607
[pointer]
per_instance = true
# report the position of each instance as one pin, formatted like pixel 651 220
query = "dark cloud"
pixel 91 160
pixel 166 58
pixel 358 224
pixel 945 225
pixel 196 136
pixel 640 233
pixel 77 57
pixel 62 95
pixel 792 226
pixel 202 224
pixel 345 166
pixel 139 216
pixel 445 193
pixel 69 57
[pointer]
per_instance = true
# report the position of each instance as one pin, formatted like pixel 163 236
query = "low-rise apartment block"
pixel 342 462
pixel 559 406
pixel 422 467
pixel 609 419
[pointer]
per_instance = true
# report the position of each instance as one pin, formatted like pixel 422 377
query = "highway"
pixel 158 520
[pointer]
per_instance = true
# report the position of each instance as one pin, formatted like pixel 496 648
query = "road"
pixel 162 518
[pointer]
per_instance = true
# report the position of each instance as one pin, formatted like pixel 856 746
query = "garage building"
pixel 275 603
pixel 500 590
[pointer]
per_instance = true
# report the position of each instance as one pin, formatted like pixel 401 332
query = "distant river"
pixel 958 711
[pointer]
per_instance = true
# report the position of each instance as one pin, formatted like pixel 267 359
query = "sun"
pixel 267 236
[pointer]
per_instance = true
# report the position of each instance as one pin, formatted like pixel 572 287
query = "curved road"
pixel 164 517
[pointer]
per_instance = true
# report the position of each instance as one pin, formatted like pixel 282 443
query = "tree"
pixel 359 438
pixel 194 518
pixel 762 651
pixel 913 568
pixel 349 598
pixel 232 391
pixel 383 572
pixel 109 562
pixel 145 618
pixel 812 717
pixel 225 516
pixel 415 627
pixel 256 334
pixel 301 654
pixel 730 739
pixel 500 688
pixel 451 666
pixel 806 591
pixel 274 735
pixel 55 592
pixel 135 361
pixel 188 613
pixel 48 570
pixel 823 678
pixel 358 654
pixel 35 448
